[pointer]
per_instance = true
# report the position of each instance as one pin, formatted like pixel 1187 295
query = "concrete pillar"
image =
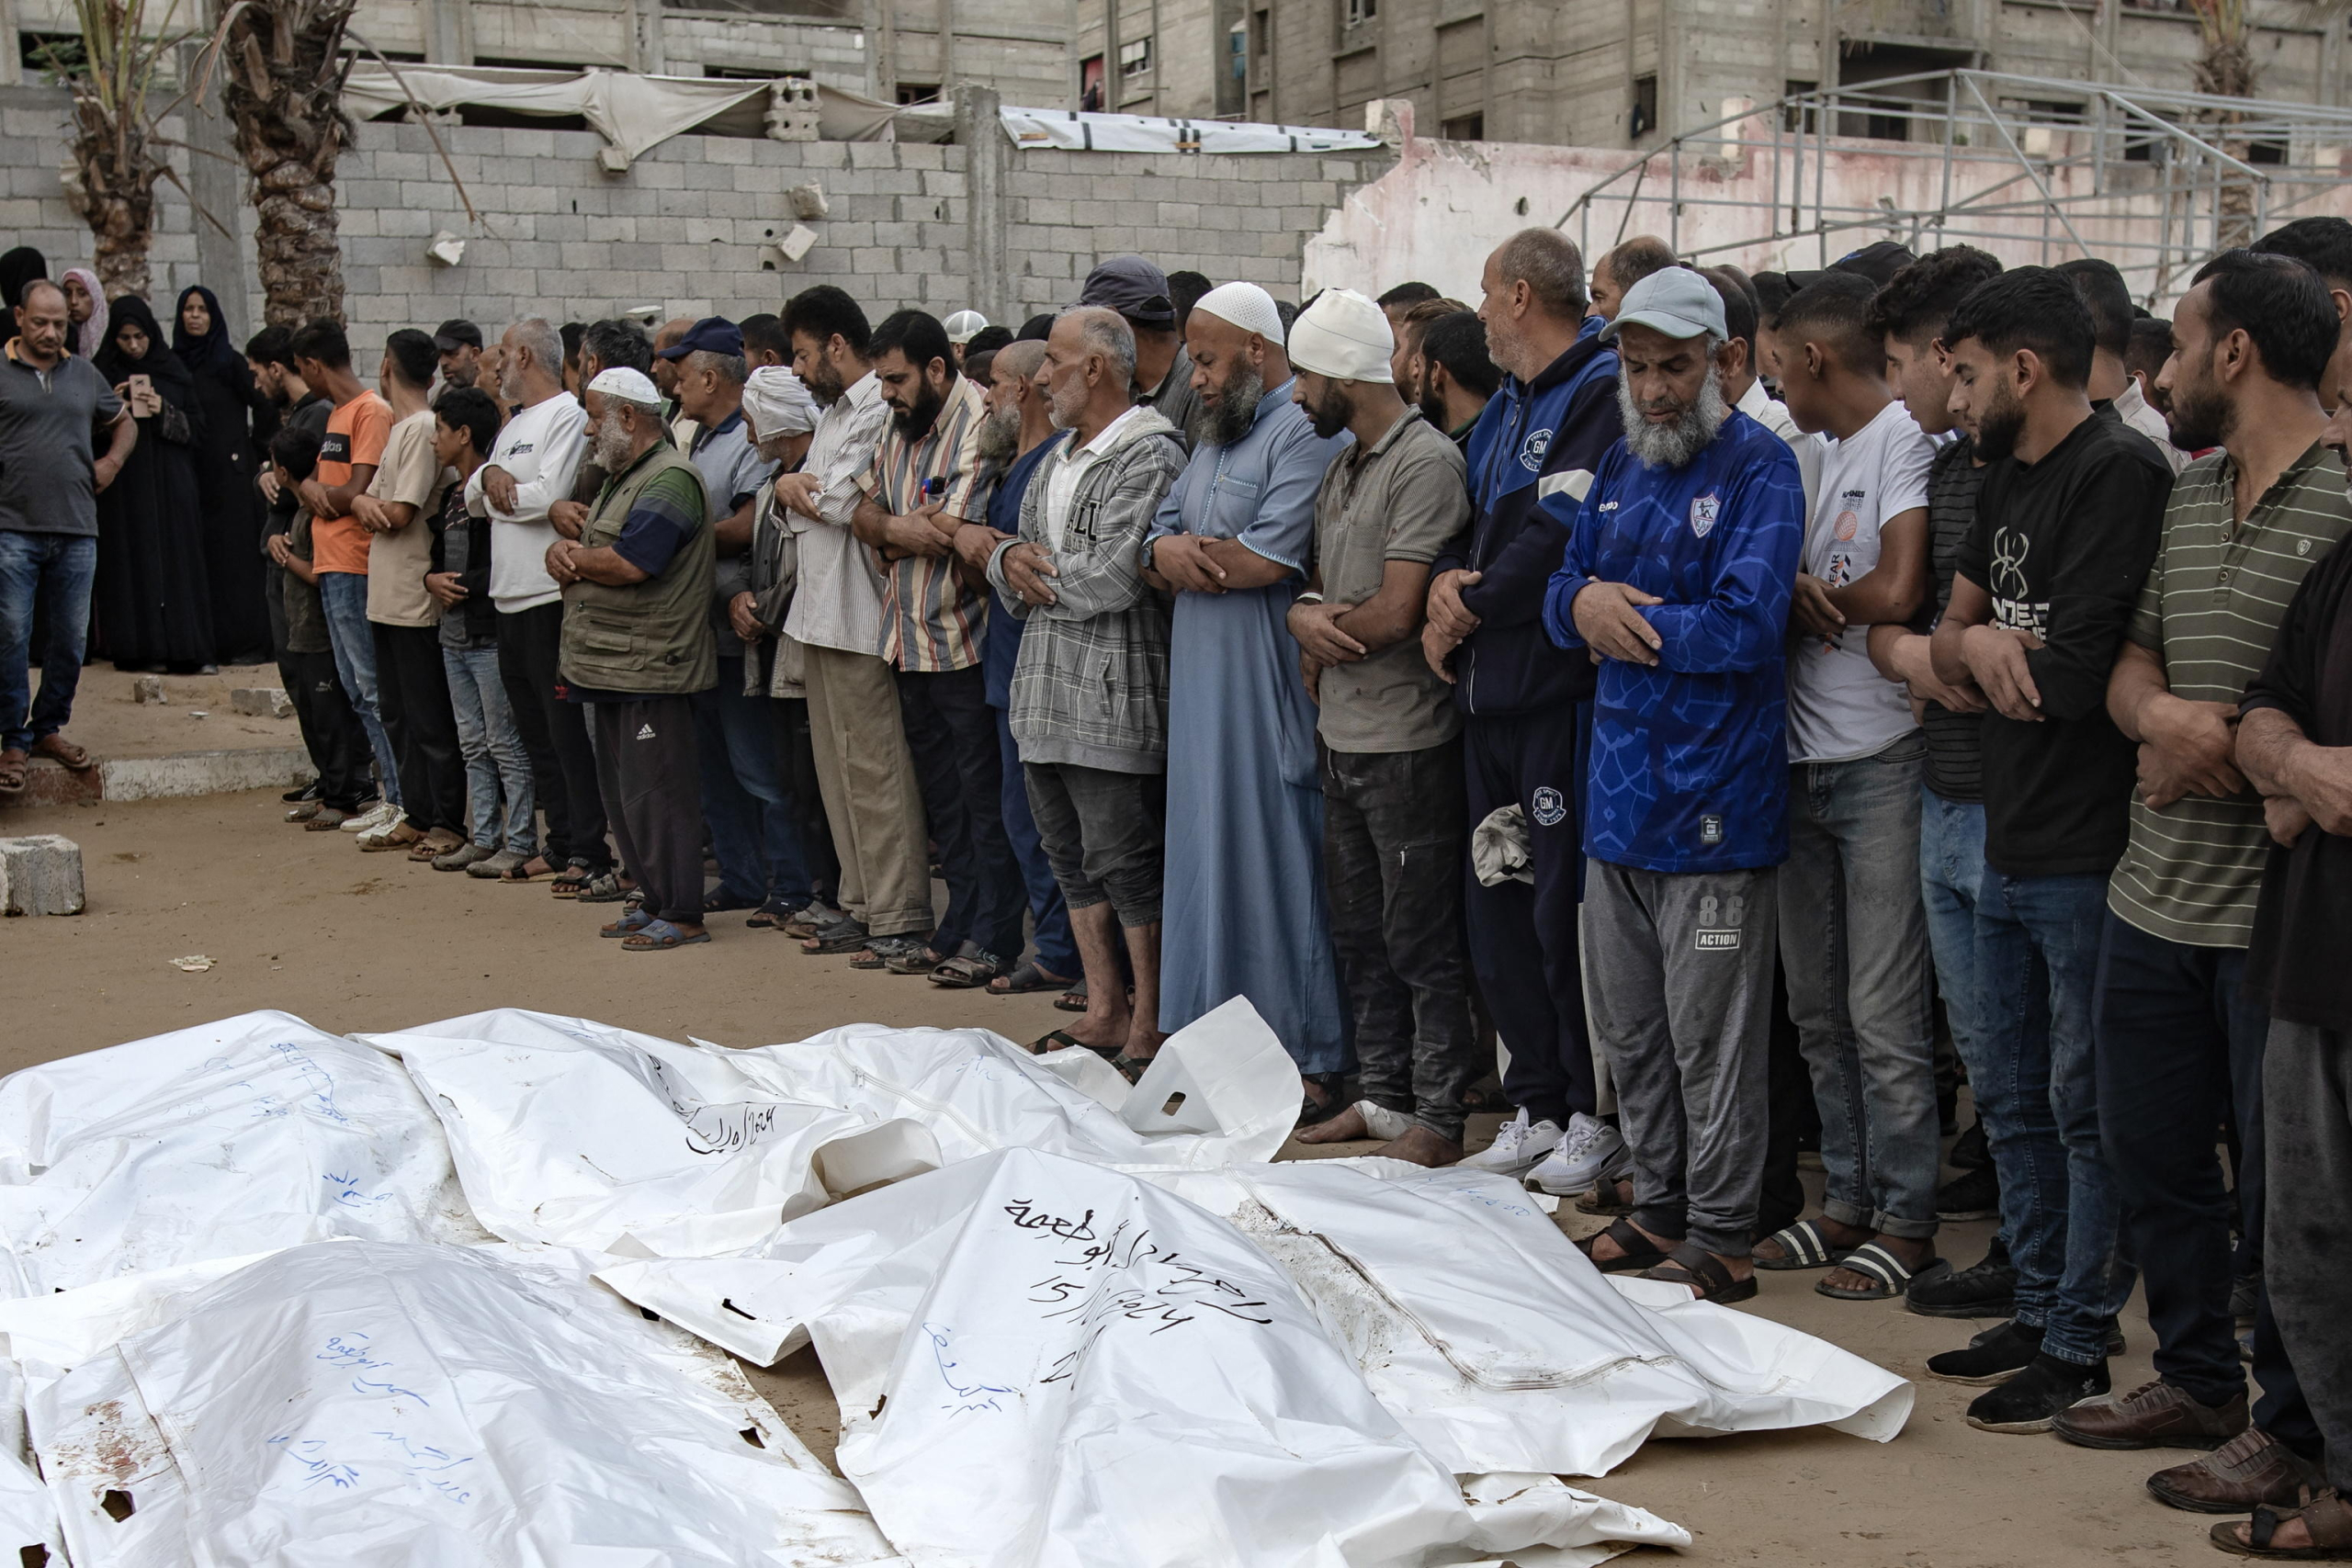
pixel 12 69
pixel 988 168
pixel 216 184
pixel 40 876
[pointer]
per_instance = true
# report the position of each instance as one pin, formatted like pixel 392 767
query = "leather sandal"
pixel 1691 1264
pixel 2325 1513
pixel 1634 1249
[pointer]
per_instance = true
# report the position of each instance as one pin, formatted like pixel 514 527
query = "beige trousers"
pixel 868 783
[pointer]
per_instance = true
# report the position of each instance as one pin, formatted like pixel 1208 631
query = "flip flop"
pixel 659 936
pixel 1073 998
pixel 628 925
pixel 1637 1251
pixel 56 749
pixel 1691 1264
pixel 1805 1246
pixel 1062 1040
pixel 523 871
pixel 1027 977
pixel 1891 1275
pixel 2325 1513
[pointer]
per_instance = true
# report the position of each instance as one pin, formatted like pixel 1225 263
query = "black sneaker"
pixel 1969 1151
pixel 1988 1289
pixel 2031 1400
pixel 1974 1195
pixel 1993 1356
pixel 296 797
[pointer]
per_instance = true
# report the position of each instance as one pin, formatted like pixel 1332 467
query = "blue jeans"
pixel 1951 868
pixel 2037 960
pixel 1057 950
pixel 494 750
pixel 753 834
pixel 1854 944
pixel 48 576
pixel 344 595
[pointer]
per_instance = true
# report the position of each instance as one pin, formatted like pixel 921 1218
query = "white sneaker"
pixel 1518 1144
pixel 382 814
pixel 1591 1147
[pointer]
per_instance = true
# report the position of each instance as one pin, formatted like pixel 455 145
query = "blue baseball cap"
pixel 712 335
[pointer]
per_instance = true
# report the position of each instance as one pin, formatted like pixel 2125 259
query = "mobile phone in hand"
pixel 142 386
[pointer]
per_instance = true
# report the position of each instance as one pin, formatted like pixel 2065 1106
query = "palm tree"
pixel 283 64
pixel 2224 68
pixel 117 153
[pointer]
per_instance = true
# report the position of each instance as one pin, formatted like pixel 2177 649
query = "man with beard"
pixel 864 773
pixel 1013 440
pixel 457 343
pixel 925 483
pixel 1677 583
pixel 1521 699
pixel 1393 831
pixel 637 643
pixel 2067 524
pixel 2178 1031
pixel 530 469
pixel 1245 909
pixel 1457 377
pixel 1089 695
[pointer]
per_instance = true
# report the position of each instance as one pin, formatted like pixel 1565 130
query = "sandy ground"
pixel 194 715
pixel 305 922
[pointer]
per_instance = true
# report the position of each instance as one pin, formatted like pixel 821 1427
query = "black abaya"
pixel 224 394
pixel 152 602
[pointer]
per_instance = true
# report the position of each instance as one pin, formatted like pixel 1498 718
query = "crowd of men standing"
pixel 1413 670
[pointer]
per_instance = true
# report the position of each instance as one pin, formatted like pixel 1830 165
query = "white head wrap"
pixel 628 386
pixel 1342 335
pixel 777 404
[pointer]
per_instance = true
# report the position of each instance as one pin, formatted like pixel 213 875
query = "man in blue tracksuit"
pixel 1522 699
pixel 1680 565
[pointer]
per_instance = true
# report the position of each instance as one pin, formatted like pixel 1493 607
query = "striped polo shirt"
pixel 2209 610
pixel 931 620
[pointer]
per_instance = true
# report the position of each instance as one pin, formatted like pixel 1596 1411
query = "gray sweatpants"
pixel 1681 989
pixel 2306 1267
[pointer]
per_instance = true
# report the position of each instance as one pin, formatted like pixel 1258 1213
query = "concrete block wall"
pixel 683 230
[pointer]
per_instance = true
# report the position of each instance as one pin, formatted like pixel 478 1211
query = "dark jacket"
pixel 1532 441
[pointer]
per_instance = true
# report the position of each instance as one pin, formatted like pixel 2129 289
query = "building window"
pixel 1356 13
pixel 1644 106
pixel 1135 59
pixel 918 91
pixel 1798 117
pixel 1090 85
pixel 1463 128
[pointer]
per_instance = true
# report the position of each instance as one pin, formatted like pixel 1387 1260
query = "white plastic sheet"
pixel 634 112
pixel 380 1405
pixel 1044 1364
pixel 1500 1347
pixel 1079 132
pixel 574 1133
pixel 231 1138
pixel 28 1518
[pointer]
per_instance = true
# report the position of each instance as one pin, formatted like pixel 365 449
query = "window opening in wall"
pixel 1134 58
pixel 1090 84
pixel 1798 117
pixel 1237 46
pixel 1463 128
pixel 918 91
pixel 1645 118
pixel 1355 13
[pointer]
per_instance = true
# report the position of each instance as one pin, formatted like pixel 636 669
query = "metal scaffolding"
pixel 2154 181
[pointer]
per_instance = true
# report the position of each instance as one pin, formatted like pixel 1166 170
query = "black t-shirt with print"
pixel 2062 546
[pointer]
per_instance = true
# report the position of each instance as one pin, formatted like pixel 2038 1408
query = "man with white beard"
pixel 637 643
pixel 1680 564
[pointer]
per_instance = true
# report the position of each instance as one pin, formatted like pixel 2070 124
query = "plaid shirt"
pixel 931 621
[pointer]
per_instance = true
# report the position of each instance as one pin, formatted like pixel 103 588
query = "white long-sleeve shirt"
pixel 838 603
pixel 540 448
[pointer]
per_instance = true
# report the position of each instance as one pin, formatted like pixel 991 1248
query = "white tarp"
pixel 366 1405
pixel 1500 1347
pixel 574 1133
pixel 243 1137
pixel 1045 1363
pixel 1074 132
pixel 1222 1090
pixel 634 113
pixel 28 1517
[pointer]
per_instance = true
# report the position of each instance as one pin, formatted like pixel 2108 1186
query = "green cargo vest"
pixel 652 638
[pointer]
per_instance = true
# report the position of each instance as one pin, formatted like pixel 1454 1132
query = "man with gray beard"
pixel 1680 563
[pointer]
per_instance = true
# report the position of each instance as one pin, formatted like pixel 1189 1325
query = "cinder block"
pixel 40 876
pixel 262 702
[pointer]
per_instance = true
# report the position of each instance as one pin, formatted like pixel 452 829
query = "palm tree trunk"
pixel 283 64
pixel 296 239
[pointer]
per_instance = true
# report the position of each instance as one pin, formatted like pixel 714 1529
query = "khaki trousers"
pixel 867 780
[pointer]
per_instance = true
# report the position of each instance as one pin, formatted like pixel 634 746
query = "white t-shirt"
pixel 1773 416
pixel 540 448
pixel 1840 707
pixel 1062 487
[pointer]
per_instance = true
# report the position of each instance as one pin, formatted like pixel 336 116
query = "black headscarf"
pixel 213 350
pixel 22 266
pixel 161 364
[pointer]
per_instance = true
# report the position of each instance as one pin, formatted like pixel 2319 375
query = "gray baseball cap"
pixel 1132 287
pixel 1676 301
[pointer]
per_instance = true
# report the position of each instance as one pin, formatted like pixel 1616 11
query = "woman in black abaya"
pixel 153 604
pixel 223 387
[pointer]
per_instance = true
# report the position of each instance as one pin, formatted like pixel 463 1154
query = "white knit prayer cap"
pixel 1247 306
pixel 1343 335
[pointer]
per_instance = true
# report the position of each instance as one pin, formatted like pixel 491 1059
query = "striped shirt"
pixel 1954 770
pixel 2210 609
pixel 931 620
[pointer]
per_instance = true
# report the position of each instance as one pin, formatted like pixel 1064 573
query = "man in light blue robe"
pixel 1243 907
